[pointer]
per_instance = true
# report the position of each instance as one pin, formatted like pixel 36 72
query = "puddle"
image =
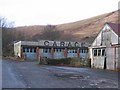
pixel 69 75
pixel 77 76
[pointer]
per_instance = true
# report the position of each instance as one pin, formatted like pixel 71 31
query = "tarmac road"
pixel 16 74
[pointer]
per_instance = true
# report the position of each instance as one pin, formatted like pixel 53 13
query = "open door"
pixel 105 63
pixel 105 66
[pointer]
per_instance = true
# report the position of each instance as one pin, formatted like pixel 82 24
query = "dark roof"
pixel 115 27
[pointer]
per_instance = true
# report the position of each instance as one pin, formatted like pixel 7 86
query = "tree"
pixel 5 28
pixel 5 24
pixel 49 33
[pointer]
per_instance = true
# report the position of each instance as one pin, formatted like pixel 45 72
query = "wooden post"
pixel 78 52
pixel 37 53
pixel 52 53
pixel 65 52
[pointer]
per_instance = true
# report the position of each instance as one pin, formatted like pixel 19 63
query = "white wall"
pixel 110 58
pixel 105 40
pixel 113 36
pixel 17 49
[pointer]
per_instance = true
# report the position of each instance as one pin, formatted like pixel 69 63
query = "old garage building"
pixel 105 50
pixel 30 50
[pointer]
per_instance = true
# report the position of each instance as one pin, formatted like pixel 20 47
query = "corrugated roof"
pixel 115 27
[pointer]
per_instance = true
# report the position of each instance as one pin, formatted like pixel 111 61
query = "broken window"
pixel 49 50
pixel 60 49
pixel 70 51
pixel 27 49
pixel 56 50
pixel 99 52
pixel 81 51
pixel 103 52
pixel 86 51
pixel 34 50
pixel 75 51
pixel 30 49
pixel 23 49
pixel 46 50
pixel 95 52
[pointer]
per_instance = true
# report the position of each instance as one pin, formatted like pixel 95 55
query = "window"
pixel 34 50
pixel 75 51
pixel 30 49
pixel 95 52
pixel 49 50
pixel 103 52
pixel 60 50
pixel 99 52
pixel 86 51
pixel 27 49
pixel 56 50
pixel 81 51
pixel 23 49
pixel 45 50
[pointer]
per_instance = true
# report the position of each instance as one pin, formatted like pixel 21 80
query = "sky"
pixel 43 12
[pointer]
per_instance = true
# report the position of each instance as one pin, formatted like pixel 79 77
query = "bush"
pixel 69 62
pixel 58 61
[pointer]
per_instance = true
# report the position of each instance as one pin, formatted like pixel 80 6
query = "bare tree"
pixel 5 24
pixel 51 33
pixel 5 28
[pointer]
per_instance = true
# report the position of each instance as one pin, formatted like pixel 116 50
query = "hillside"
pixel 81 30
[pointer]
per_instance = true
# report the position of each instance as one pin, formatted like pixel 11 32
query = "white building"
pixel 105 50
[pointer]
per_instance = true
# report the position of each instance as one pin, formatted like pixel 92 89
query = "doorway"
pixel 105 66
pixel 105 62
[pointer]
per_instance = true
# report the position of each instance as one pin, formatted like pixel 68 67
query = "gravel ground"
pixel 17 74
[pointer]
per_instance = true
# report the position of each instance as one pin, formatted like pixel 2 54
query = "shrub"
pixel 69 61
pixel 58 61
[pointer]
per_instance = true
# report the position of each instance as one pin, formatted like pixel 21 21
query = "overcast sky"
pixel 42 12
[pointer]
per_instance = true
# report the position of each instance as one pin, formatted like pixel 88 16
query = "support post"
pixel 52 53
pixel 65 53
pixel 78 52
pixel 37 53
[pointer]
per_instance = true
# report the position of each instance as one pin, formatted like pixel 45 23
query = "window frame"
pixel 95 54
pixel 103 54
pixel 27 49
pixel 99 52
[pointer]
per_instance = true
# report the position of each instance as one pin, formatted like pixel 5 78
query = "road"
pixel 16 74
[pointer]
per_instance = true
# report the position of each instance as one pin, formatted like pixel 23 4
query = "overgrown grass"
pixel 77 62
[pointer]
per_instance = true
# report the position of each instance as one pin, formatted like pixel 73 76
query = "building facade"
pixel 104 51
pixel 30 50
